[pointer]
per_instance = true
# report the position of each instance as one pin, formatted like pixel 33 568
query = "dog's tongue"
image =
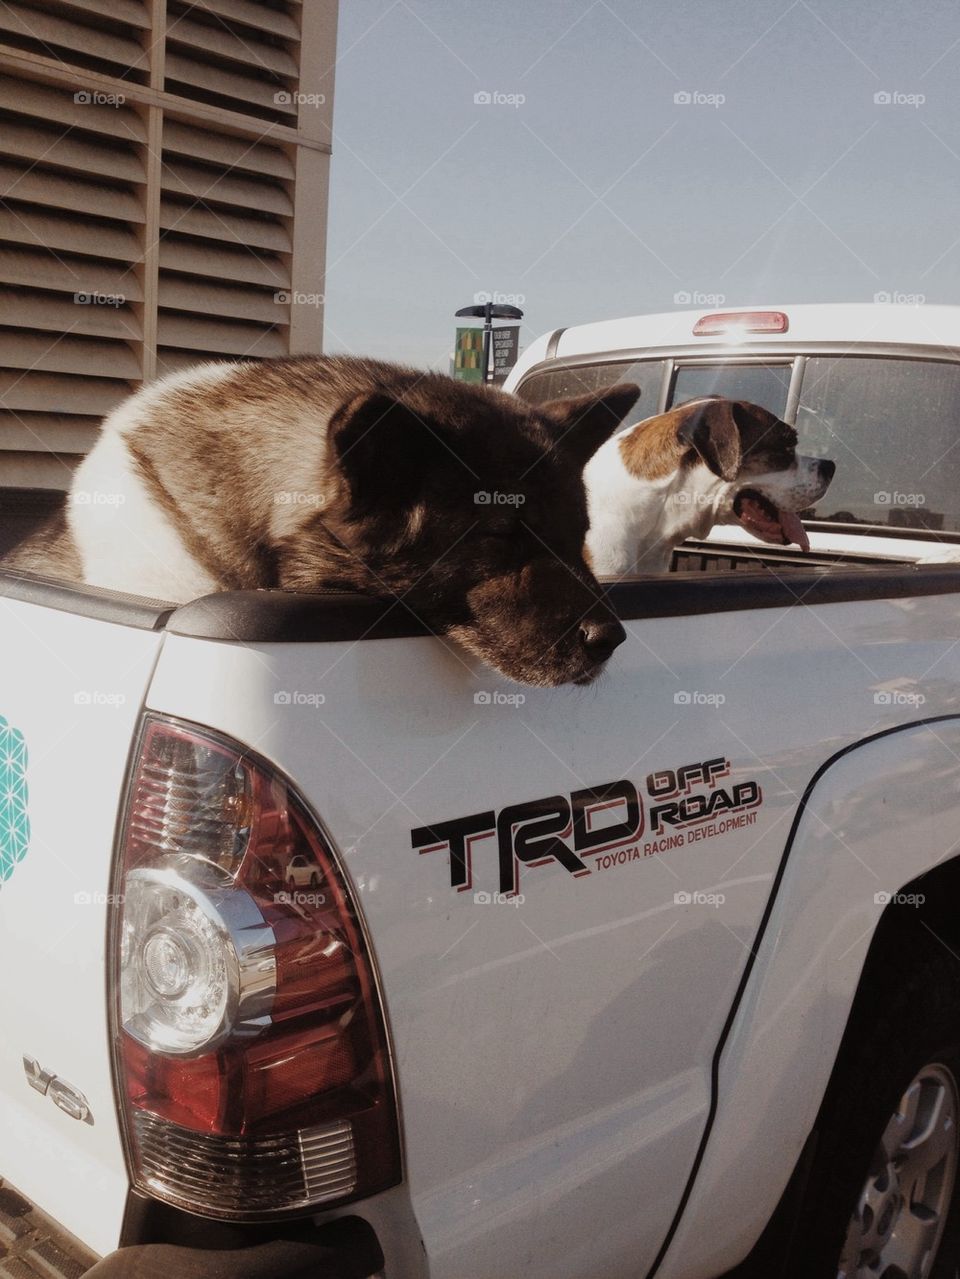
pixel 771 523
pixel 793 529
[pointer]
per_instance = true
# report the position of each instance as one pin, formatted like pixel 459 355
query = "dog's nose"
pixel 601 638
pixel 828 470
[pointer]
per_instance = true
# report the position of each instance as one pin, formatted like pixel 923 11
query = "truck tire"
pixel 881 1198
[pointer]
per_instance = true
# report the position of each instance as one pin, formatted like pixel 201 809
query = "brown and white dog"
pixel 314 472
pixel 710 461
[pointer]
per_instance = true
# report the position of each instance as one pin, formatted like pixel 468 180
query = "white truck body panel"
pixel 530 1131
pixel 78 721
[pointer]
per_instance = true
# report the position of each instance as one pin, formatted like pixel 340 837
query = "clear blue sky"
pixel 600 195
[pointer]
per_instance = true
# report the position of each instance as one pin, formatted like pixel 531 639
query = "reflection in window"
pixel 561 383
pixel 893 428
pixel 763 384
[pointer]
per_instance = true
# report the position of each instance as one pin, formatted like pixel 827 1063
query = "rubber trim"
pixel 752 959
pixel 85 601
pixel 289 617
pixel 292 617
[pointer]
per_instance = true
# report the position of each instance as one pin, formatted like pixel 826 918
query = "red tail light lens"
pixel 737 323
pixel 251 1048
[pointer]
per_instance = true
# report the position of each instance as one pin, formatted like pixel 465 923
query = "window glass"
pixel 763 384
pixel 560 383
pixel 893 428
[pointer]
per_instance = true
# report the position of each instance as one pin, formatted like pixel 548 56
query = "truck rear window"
pixel 893 428
pixel 763 384
pixel 891 424
pixel 558 384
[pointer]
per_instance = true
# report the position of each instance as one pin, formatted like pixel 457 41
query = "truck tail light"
pixel 250 1044
pixel 739 323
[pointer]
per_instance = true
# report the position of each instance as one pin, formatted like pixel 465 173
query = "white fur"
pixel 635 523
pixel 111 514
pixel 125 541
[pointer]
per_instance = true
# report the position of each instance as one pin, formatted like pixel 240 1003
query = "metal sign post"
pixel 504 342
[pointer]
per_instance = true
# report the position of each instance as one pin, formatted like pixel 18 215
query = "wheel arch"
pixel 877 826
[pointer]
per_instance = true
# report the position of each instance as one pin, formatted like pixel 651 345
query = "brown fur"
pixel 732 436
pixel 653 450
pixel 49 551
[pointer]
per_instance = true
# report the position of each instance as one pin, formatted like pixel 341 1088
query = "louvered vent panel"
pixel 109 36
pixel 243 56
pixel 71 177
pixel 153 159
pixel 226 218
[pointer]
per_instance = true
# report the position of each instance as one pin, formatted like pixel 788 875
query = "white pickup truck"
pixel 325 953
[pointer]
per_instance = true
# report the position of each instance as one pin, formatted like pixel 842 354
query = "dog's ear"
pixel 582 424
pixel 710 427
pixel 382 448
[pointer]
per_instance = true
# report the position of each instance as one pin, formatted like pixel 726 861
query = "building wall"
pixel 164 170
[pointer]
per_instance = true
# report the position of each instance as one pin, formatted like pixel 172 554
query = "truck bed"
pixel 525 1134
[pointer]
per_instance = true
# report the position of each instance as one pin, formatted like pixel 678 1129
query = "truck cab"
pixel 876 387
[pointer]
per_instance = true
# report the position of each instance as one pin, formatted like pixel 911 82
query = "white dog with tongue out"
pixel 710 461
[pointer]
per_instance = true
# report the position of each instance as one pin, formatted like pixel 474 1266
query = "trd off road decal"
pixel 14 822
pixel 605 823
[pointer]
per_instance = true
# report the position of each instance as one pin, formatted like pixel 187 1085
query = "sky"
pixel 623 158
